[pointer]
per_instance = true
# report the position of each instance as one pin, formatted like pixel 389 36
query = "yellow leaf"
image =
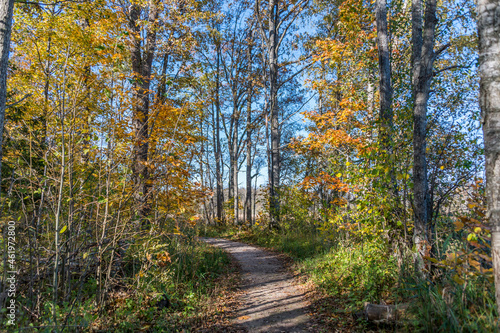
pixel 458 280
pixel 477 230
pixel 63 229
pixel 475 264
pixel 348 163
pixel 338 175
pixel 472 237
pixel 441 167
pixel 85 255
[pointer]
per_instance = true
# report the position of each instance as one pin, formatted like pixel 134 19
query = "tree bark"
pixel 230 182
pixel 6 13
pixel 386 91
pixel 273 109
pixel 218 171
pixel 142 68
pixel 248 197
pixel 162 85
pixel 489 100
pixel 422 64
pixel 235 166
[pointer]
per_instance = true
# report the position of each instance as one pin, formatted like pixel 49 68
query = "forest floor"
pixel 272 301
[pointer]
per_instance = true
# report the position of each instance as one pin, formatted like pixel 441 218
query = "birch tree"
pixel 423 57
pixel 489 100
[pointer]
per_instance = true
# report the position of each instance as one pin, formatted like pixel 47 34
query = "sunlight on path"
pixel 271 302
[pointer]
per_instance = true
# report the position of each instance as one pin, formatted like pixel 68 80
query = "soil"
pixel 271 302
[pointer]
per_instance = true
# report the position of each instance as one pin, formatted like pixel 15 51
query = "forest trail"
pixel 271 302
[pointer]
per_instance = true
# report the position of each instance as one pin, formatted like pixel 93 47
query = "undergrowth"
pixel 187 280
pixel 166 284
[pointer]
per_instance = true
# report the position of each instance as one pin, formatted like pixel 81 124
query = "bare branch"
pixel 259 23
pixel 451 67
pixel 441 50
pixel 298 4
pixel 19 101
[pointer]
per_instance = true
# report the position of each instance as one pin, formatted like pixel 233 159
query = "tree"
pixel 234 65
pixel 142 66
pixel 385 88
pixel 280 16
pixel 6 12
pixel 489 71
pixel 423 57
pixel 248 196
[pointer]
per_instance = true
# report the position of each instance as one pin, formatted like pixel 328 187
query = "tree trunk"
pixel 230 182
pixel 6 12
pixel 162 85
pixel 422 62
pixel 235 168
pixel 386 92
pixel 218 171
pixel 489 70
pixel 248 197
pixel 384 63
pixel 273 109
pixel 234 154
pixel 141 67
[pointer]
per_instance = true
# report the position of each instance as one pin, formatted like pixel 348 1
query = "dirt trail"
pixel 271 303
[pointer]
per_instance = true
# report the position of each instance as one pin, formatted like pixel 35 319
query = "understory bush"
pixel 163 283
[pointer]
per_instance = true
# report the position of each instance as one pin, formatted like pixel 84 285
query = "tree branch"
pixel 441 50
pixel 451 67
pixel 19 101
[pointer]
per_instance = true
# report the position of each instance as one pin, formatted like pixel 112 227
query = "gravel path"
pixel 271 302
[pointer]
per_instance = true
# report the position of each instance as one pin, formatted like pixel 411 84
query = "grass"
pixel 447 306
